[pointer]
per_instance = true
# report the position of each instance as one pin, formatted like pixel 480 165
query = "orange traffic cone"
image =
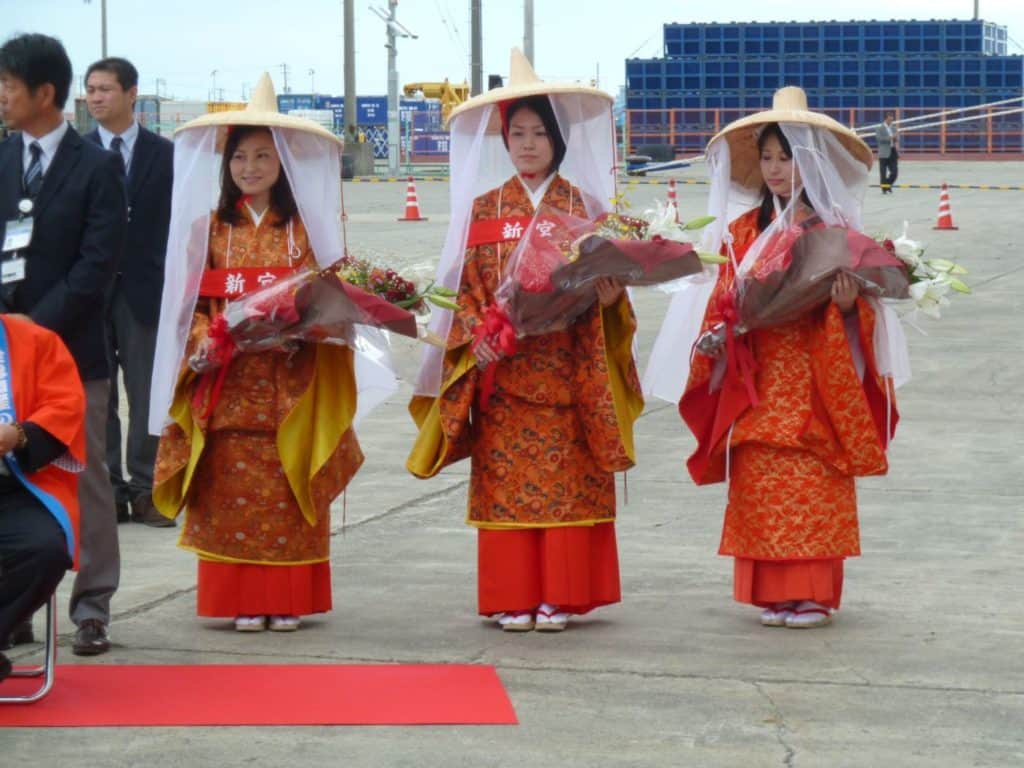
pixel 672 199
pixel 945 216
pixel 412 203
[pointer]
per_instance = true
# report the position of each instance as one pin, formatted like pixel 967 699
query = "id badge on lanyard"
pixel 17 237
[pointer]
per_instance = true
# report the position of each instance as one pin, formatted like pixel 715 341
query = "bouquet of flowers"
pixel 794 273
pixel 931 280
pixel 549 279
pixel 317 307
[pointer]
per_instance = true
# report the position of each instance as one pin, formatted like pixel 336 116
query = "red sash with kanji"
pixel 487 231
pixel 232 283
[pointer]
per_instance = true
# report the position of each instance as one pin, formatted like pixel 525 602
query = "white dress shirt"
pixel 48 143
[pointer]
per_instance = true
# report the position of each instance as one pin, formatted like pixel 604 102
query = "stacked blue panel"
pixel 843 66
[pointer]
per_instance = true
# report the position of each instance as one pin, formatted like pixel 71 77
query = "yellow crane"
pixel 449 95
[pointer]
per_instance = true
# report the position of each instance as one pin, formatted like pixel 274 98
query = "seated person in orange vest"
pixel 42 442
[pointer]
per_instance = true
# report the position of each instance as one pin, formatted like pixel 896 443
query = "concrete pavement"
pixel 922 666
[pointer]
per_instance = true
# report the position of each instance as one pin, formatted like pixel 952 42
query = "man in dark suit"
pixel 73 192
pixel 111 89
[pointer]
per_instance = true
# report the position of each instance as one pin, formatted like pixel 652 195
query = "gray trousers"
pixel 130 347
pixel 99 556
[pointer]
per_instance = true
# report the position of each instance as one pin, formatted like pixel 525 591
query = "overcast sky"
pixel 184 41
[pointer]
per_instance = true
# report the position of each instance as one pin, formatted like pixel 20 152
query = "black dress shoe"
pixel 124 513
pixel 20 635
pixel 91 638
pixel 144 512
pixel 5 667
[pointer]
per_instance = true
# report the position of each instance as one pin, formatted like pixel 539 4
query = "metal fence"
pixel 995 129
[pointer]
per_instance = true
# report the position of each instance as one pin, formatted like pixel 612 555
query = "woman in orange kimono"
pixel 559 421
pixel 250 453
pixel 821 412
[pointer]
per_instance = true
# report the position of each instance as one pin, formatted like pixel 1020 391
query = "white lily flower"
pixel 661 222
pixel 908 251
pixel 930 296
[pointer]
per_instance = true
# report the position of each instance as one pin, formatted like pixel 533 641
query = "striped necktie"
pixel 34 174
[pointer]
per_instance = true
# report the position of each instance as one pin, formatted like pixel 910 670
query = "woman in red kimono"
pixel 821 411
pixel 257 449
pixel 559 420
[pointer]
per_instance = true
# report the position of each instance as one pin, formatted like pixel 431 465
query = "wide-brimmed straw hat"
pixel 789 105
pixel 523 82
pixel 261 110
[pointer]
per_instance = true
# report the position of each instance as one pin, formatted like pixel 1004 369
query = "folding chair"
pixel 46 671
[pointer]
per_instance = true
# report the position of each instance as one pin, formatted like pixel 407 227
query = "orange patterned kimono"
pixel 542 490
pixel 792 511
pixel 257 474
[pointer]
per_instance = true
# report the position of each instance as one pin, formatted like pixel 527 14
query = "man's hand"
pixel 9 437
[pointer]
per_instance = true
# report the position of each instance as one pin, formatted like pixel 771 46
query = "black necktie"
pixel 34 173
pixel 115 146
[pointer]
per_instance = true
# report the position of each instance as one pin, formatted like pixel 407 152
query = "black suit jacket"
pixel 140 272
pixel 80 216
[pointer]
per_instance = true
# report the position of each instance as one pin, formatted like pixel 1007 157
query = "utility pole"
pixel 103 27
pixel 351 129
pixel 528 30
pixel 160 81
pixel 395 30
pixel 284 71
pixel 213 85
pixel 476 48
pixel 312 82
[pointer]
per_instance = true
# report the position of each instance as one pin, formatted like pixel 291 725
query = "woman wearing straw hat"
pixel 559 421
pixel 821 411
pixel 246 449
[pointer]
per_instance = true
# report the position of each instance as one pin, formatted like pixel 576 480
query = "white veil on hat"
pixel 311 161
pixel 833 170
pixel 480 162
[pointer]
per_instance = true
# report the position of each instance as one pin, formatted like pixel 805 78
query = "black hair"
pixel 542 106
pixel 767 209
pixel 37 60
pixel 282 202
pixel 125 72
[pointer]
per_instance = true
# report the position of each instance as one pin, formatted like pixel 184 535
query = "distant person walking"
pixel 887 137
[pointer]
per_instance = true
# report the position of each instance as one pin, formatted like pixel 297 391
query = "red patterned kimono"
pixel 270 462
pixel 542 490
pixel 791 517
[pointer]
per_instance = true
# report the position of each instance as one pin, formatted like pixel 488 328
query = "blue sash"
pixel 8 416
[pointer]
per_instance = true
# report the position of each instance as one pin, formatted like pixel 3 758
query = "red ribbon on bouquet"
pixel 496 329
pixel 223 347
pixel 738 357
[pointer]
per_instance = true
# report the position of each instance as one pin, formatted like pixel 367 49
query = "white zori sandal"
pixel 808 615
pixel 550 618
pixel 251 623
pixel 516 621
pixel 776 614
pixel 284 623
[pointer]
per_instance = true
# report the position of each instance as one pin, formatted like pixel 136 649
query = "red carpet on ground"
pixel 159 695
